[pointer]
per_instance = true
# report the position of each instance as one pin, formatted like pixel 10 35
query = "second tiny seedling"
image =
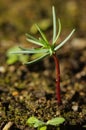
pixel 47 49
pixel 40 125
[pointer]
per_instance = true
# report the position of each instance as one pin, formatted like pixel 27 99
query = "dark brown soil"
pixel 30 90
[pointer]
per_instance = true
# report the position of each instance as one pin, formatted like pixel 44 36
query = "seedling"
pixel 40 125
pixel 47 49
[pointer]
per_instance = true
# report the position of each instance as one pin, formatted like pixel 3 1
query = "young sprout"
pixel 40 125
pixel 47 49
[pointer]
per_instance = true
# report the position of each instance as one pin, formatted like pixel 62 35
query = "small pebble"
pixel 75 107
pixel 2 69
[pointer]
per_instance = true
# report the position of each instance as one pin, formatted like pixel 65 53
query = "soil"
pixel 30 90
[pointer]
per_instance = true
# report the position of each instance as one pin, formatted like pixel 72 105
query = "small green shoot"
pixel 47 49
pixel 33 121
pixel 40 125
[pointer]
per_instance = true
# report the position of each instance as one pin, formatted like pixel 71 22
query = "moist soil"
pixel 29 90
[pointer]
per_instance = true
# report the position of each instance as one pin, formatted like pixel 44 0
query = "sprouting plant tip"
pixel 46 49
pixel 45 46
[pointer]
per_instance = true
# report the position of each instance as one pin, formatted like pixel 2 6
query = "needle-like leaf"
pixel 23 48
pixel 31 37
pixel 35 42
pixel 30 51
pixel 59 31
pixel 54 24
pixel 62 43
pixel 42 34
pixel 37 49
pixel 34 39
pixel 38 59
pixel 43 42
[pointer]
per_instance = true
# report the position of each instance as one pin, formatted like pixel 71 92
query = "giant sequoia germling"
pixel 47 49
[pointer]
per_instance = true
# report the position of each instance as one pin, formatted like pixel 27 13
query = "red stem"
pixel 57 78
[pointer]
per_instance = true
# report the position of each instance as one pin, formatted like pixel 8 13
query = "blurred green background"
pixel 18 16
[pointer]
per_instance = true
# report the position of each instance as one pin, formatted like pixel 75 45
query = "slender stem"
pixel 57 78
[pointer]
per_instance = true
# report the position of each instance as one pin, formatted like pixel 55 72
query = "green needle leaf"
pixel 42 34
pixel 54 24
pixel 35 42
pixel 34 39
pixel 42 41
pixel 30 51
pixel 23 48
pixel 31 37
pixel 62 43
pixel 59 31
pixel 38 59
